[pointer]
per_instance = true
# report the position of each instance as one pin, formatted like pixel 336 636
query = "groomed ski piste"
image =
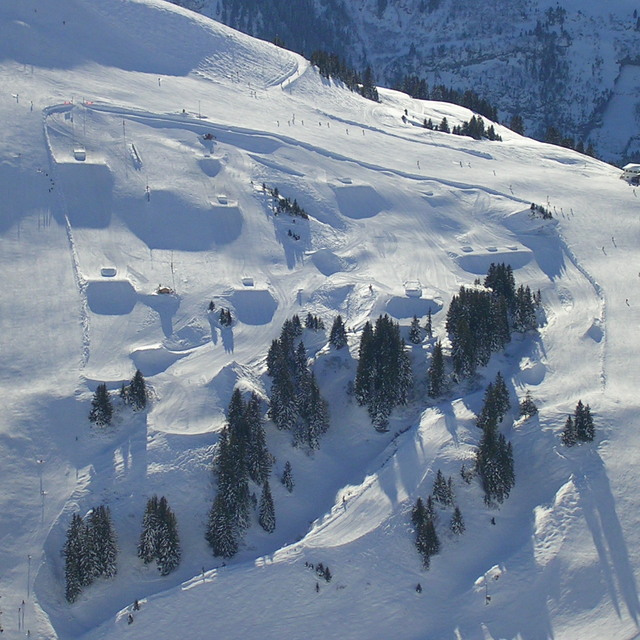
pixel 111 192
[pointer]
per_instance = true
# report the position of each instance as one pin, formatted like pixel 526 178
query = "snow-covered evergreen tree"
pixel 73 550
pixel 442 490
pixel 102 542
pixel 159 538
pixel 569 436
pixel 415 331
pixel 101 408
pixel 138 391
pixel 527 406
pixel 428 327
pixel 259 460
pixel 148 543
pixel 457 525
pixel 267 516
pixel 287 477
pixel 168 552
pixel 436 371
pixel 338 334
pixel 384 376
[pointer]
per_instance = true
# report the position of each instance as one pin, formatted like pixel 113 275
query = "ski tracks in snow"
pixel 75 261
pixel 600 294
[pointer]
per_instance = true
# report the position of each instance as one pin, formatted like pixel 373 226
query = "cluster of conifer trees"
pixel 418 88
pixel 159 539
pixel 384 377
pixel 331 65
pixel 538 209
pixel 90 550
pixel 134 394
pixel 580 428
pixel 425 518
pixel 479 321
pixel 241 458
pixel 473 128
pixel 283 204
pixel 296 404
pixel 494 458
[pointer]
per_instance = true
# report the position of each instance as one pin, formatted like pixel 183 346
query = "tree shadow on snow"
pixel 227 339
pixel 598 506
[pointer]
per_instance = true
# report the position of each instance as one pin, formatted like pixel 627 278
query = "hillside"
pixel 570 65
pixel 113 188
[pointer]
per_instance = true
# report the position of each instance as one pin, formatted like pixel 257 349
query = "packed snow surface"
pixel 122 219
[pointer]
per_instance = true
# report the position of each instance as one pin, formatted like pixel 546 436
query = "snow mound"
pixel 532 372
pixel 327 262
pixel 210 166
pixel 155 359
pixel 191 334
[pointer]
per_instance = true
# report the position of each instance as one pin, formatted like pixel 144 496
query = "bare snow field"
pixel 111 192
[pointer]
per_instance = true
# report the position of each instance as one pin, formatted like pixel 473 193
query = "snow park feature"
pixel 116 270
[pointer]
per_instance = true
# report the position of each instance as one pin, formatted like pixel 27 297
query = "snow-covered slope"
pixel 111 189
pixel 571 65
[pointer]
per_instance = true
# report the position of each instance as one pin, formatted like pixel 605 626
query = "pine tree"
pixel 168 551
pixel 364 372
pixel 384 377
pixel 583 423
pixel 102 542
pixel 524 311
pixel 338 334
pixel 221 534
pixel 457 523
pixel 308 323
pixel 428 327
pixel 159 538
pixel 138 391
pixel 101 408
pixel 259 460
pixel 427 543
pixel 589 432
pixel 418 514
pixel 527 406
pixel 267 516
pixel 415 332
pixel 315 416
pixel 148 543
pixel 287 477
pixel 502 401
pixel 295 402
pixel 494 464
pixel 72 552
pixel 436 371
pixel 569 435
pixel 440 491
